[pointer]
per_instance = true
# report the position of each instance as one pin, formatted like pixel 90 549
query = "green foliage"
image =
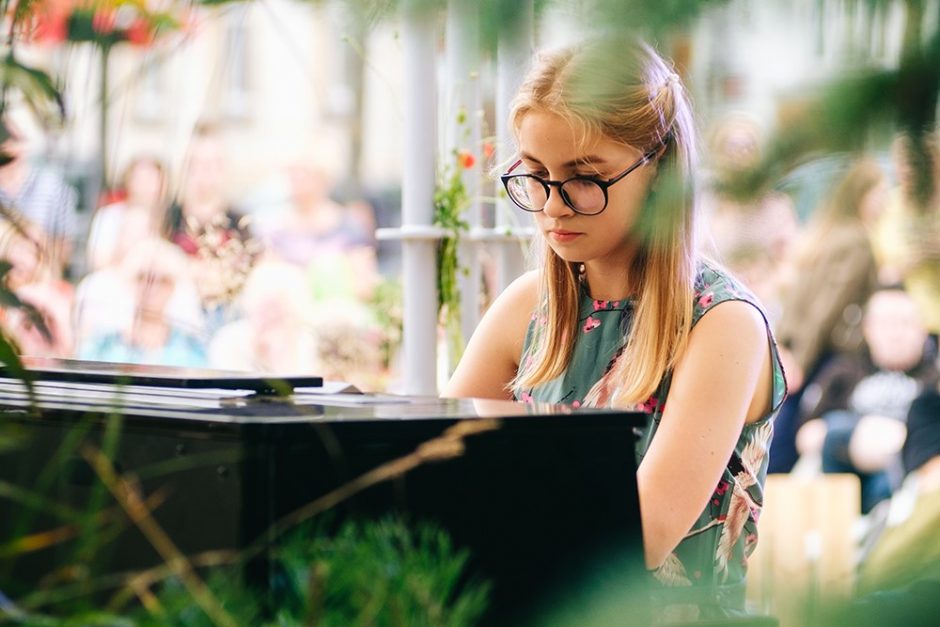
pixel 450 200
pixel 835 119
pixel 10 362
pixel 366 573
pixel 36 87
pixel 175 604
pixel 23 10
pixel 651 19
pixel 843 114
pixel 386 305
pixel 380 574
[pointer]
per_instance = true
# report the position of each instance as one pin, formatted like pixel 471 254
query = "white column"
pixel 513 57
pixel 419 260
pixel 462 99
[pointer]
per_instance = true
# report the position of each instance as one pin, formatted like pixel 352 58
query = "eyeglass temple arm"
pixel 514 166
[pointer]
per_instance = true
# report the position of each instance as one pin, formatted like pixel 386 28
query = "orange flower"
pixel 140 33
pixel 489 150
pixel 466 159
pixel 51 28
pixel 104 21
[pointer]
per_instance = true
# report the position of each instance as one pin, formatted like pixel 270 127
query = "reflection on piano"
pixel 541 495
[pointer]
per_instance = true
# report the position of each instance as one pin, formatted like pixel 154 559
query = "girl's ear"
pixel 654 162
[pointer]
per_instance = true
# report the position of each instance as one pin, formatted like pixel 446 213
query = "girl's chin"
pixel 566 251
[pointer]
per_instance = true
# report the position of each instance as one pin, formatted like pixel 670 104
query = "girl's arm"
pixel 722 380
pixel 492 356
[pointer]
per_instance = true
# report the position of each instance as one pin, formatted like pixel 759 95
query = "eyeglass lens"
pixel 582 195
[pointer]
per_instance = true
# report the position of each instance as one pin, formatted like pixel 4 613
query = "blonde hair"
pixel 842 207
pixel 629 94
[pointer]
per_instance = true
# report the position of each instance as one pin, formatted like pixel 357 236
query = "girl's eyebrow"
pixel 592 160
pixel 527 157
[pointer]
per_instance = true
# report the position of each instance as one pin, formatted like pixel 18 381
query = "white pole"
pixel 419 261
pixel 513 56
pixel 463 102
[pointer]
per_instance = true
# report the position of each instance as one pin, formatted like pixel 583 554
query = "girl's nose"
pixel 555 206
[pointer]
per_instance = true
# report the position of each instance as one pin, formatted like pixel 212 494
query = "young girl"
pixel 623 312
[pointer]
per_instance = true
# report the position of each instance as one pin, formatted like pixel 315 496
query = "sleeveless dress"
pixel 704 577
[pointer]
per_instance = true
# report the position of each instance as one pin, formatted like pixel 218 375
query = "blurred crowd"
pixel 191 278
pixel 852 287
pixel 850 281
pixel 184 275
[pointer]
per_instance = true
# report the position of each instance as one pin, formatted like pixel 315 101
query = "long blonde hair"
pixel 841 208
pixel 629 94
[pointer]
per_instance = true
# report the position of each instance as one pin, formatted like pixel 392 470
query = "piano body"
pixel 540 495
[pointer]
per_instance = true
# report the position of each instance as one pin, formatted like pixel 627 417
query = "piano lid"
pixel 74 388
pixel 81 371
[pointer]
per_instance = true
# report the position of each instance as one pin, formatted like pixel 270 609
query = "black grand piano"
pixel 544 497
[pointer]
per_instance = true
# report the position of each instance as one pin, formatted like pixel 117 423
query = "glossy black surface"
pixel 76 371
pixel 544 497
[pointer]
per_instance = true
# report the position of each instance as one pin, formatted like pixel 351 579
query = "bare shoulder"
pixel 730 331
pixel 512 310
pixel 522 292
pixel 492 355
pixel 730 318
pixel 729 354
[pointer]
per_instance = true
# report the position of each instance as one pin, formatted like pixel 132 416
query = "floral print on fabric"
pixel 711 561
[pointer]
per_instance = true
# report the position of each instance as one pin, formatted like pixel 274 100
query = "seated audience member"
pixel 331 242
pixel 119 226
pixel 768 222
pixel 32 340
pixel 832 273
pixel 905 547
pixel 207 228
pixel 156 269
pixel 275 334
pixel 860 400
pixel 34 279
pixel 105 301
pixel 909 228
pixel 28 250
pixel 38 195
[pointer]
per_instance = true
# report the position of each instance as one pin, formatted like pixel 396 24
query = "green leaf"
pixel 36 87
pixel 26 9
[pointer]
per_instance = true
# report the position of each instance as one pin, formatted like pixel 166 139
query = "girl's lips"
pixel 563 236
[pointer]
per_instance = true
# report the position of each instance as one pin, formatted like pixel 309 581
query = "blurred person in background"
pixel 902 545
pixel 768 222
pixel 275 334
pixel 899 568
pixel 206 227
pixel 56 338
pixel 334 244
pixel 859 402
pixel 155 269
pixel 104 300
pixel 35 280
pixel 117 227
pixel 835 272
pixel 283 331
pixel 907 240
pixel 37 194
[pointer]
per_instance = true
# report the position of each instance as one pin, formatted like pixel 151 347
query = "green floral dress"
pixel 705 575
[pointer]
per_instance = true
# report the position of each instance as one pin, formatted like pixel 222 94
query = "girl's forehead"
pixel 549 136
pixel 546 126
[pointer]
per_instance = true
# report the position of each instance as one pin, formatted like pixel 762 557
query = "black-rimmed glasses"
pixel 586 195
